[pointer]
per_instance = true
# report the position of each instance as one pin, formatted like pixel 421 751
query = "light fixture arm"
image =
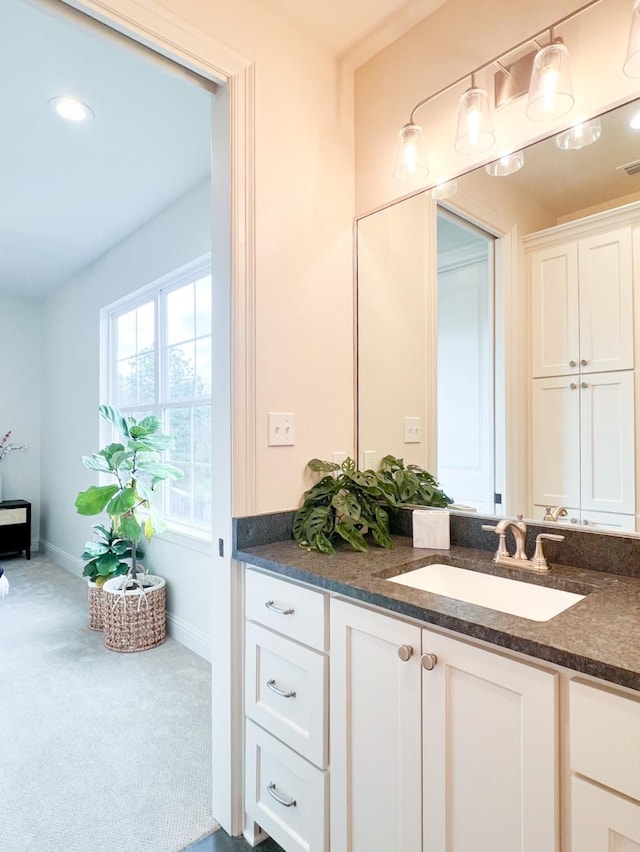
pixel 496 60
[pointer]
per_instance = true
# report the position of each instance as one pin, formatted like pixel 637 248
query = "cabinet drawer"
pixel 284 793
pixel 604 737
pixel 285 688
pixel 602 821
pixel 293 610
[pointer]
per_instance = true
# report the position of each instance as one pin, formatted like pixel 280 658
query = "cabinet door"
pixel 489 740
pixel 607 442
pixel 602 821
pixel 375 732
pixel 556 441
pixel 606 301
pixel 554 303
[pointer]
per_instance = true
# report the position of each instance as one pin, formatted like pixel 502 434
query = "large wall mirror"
pixel 497 345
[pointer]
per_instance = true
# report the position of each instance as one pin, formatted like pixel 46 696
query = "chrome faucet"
pixel 519 558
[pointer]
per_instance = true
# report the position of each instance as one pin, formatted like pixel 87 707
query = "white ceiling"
pixel 70 192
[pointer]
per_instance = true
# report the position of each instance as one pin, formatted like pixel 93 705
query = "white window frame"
pixel 155 291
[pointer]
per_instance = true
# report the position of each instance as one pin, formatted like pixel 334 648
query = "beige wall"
pixel 303 231
pixel 458 37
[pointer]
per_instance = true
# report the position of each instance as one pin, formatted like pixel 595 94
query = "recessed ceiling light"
pixel 634 123
pixel 71 108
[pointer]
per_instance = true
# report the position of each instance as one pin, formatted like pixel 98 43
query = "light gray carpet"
pixel 99 751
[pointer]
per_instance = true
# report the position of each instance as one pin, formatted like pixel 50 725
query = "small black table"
pixel 15 527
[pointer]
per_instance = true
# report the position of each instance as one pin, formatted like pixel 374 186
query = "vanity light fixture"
pixel 580 135
pixel 444 189
pixel 544 75
pixel 411 158
pixel 475 126
pixel 508 164
pixel 71 109
pixel 551 89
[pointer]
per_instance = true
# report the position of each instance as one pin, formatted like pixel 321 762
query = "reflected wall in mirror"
pixel 499 332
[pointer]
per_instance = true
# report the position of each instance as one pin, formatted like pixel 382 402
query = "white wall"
pixel 460 36
pixel 70 398
pixel 20 384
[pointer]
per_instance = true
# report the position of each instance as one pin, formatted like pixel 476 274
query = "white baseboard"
pixel 62 558
pixel 178 629
pixel 191 637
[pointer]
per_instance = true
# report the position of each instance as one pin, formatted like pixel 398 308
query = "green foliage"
pixel 137 466
pixel 106 554
pixel 349 504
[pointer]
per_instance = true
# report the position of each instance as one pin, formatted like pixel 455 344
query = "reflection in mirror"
pixel 449 373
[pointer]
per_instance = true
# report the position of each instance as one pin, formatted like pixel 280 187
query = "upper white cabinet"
pixel 582 304
pixel 584 442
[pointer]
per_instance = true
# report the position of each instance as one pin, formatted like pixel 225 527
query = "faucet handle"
pixel 539 561
pixel 489 527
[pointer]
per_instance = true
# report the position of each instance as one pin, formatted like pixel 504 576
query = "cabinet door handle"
pixel 429 662
pixel 572 363
pixel 288 803
pixel 285 693
pixel 405 652
pixel 584 362
pixel 270 605
pixel 573 385
pixel 584 385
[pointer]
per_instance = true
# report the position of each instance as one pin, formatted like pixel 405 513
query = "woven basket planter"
pixel 134 620
pixel 95 606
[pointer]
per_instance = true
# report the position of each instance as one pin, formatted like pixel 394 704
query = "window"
pixel 160 363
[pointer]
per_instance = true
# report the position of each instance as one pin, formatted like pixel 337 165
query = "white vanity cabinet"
pixel 286 709
pixel 605 767
pixel 578 324
pixel 584 442
pixel 437 744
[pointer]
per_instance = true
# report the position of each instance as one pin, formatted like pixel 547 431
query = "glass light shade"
pixel 411 159
pixel 550 90
pixel 475 127
pixel 507 165
pixel 446 189
pixel 631 65
pixel 580 135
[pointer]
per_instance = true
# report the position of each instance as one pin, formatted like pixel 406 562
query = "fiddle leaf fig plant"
pixel 137 466
pixel 105 555
pixel 350 504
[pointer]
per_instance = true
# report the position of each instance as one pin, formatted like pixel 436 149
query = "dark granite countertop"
pixel 598 636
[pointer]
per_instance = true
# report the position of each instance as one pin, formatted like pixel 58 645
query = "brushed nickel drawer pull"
pixel 283 692
pixel 288 803
pixel 429 662
pixel 270 605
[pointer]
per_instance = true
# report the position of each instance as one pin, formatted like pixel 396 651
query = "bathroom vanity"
pixel 380 716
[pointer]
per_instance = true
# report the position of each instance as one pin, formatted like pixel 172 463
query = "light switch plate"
pixel 412 430
pixel 369 459
pixel 282 429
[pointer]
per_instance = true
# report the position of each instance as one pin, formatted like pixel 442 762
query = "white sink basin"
pixel 527 600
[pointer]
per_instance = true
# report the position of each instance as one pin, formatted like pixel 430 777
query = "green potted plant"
pixel 350 504
pixel 133 606
pixel 105 556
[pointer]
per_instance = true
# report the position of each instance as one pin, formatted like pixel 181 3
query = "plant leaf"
pixel 352 535
pixel 94 500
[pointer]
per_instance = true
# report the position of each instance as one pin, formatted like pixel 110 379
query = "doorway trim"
pixel 177 38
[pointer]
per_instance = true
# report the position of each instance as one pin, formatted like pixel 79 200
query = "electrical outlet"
pixel 412 430
pixel 282 429
pixel 339 457
pixel 369 459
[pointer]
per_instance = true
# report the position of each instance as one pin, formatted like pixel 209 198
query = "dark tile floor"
pixel 220 841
